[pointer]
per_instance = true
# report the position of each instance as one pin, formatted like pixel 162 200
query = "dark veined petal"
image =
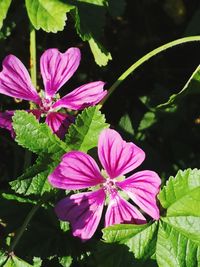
pixel 121 211
pixel 59 123
pixel 15 80
pixel 83 211
pixel 117 156
pixel 142 187
pixel 77 170
pixel 57 68
pixel 84 96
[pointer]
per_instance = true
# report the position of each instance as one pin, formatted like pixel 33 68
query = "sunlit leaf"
pixel 4 6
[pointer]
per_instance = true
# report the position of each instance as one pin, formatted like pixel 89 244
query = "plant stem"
pixel 33 71
pixel 145 58
pixel 24 226
pixel 33 62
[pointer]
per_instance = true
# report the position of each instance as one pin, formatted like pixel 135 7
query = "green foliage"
pixel 100 54
pixel 174 248
pixel 14 261
pixel 180 191
pixel 4 6
pixel 35 136
pixel 175 239
pixel 140 239
pixel 83 135
pixel 48 15
pixel 179 233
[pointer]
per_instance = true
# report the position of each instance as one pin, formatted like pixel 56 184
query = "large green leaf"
pixel 141 239
pixel 180 191
pixel 48 15
pixel 14 261
pixel 4 6
pixel 179 233
pixel 83 135
pixel 175 248
pixel 191 87
pixel 35 136
pixel 34 180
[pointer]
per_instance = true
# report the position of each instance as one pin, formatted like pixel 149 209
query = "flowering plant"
pixel 75 190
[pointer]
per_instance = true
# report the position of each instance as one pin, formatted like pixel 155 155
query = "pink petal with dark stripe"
pixel 57 68
pixel 83 211
pixel 77 170
pixel 121 211
pixel 142 188
pixel 86 95
pixel 6 121
pixel 16 82
pixel 59 123
pixel 117 156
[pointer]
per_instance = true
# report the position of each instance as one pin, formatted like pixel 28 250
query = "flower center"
pixel 109 186
pixel 45 105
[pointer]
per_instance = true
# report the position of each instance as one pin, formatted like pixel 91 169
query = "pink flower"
pixel 78 170
pixel 56 69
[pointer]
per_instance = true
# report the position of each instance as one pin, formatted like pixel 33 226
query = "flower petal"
pixel 59 123
pixel 142 187
pixel 6 121
pixel 77 170
pixel 121 211
pixel 15 80
pixel 117 156
pixel 84 96
pixel 83 211
pixel 57 68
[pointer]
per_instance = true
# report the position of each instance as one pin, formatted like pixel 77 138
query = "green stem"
pixel 33 68
pixel 24 226
pixel 33 71
pixel 145 58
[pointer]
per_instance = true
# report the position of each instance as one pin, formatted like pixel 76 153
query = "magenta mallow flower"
pixel 78 170
pixel 56 69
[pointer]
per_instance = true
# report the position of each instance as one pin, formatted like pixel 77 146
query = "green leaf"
pixel 66 261
pixel 48 15
pixel 147 121
pixel 4 6
pixel 181 194
pixel 18 199
pixel 100 54
pixel 36 136
pixel 83 135
pixel 179 233
pixel 37 185
pixel 141 239
pixel 126 124
pixel 174 248
pixel 191 87
pixel 14 261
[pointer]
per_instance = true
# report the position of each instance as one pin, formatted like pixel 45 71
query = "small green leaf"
pixel 83 135
pixel 66 261
pixel 35 136
pixel 147 121
pixel 126 124
pixel 14 261
pixel 182 187
pixel 141 239
pixel 4 6
pixel 174 248
pixel 48 15
pixel 100 54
